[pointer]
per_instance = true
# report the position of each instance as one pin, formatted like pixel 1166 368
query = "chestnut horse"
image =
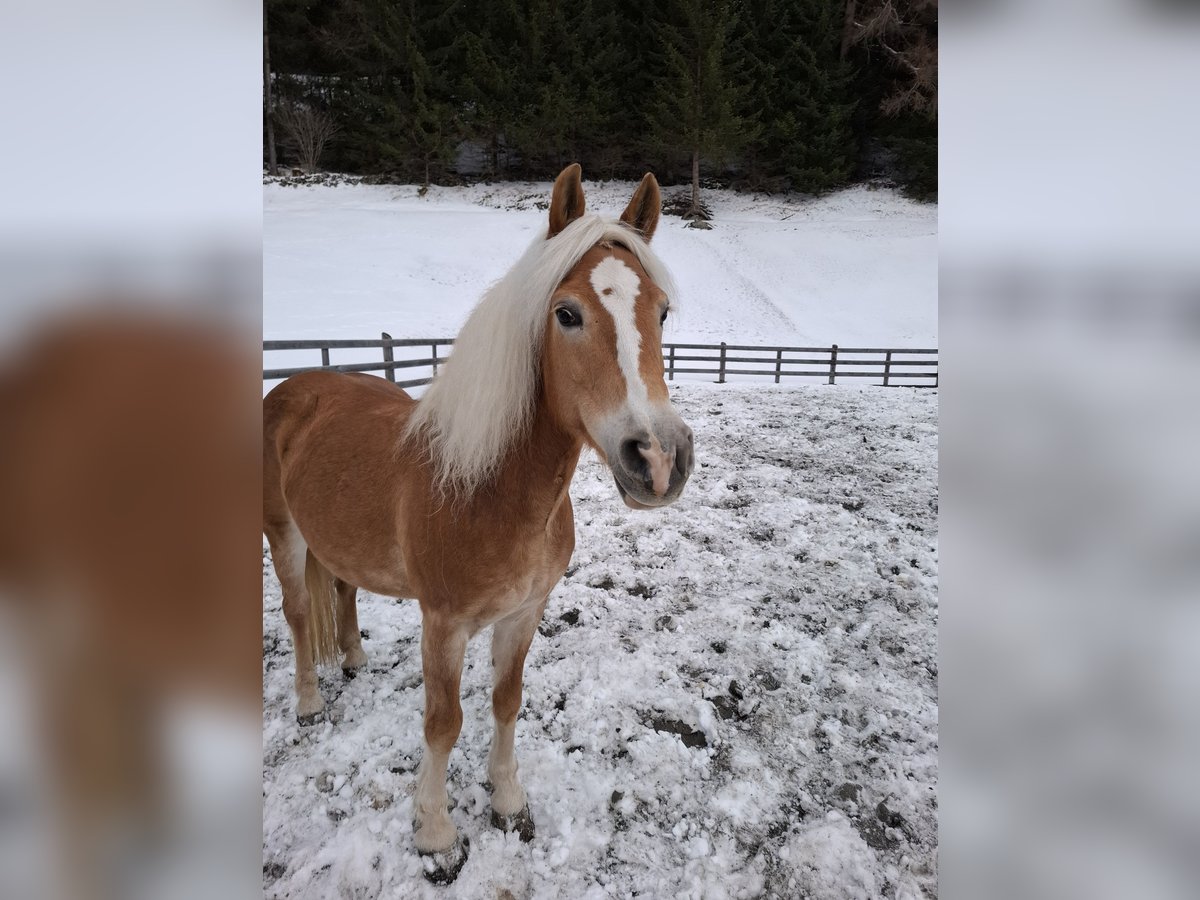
pixel 461 500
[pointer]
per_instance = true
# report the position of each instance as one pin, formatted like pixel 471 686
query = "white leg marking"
pixel 289 566
pixel 508 797
pixel 435 830
pixel 355 658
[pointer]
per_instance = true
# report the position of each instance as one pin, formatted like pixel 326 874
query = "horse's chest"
pixel 523 566
pixel 493 579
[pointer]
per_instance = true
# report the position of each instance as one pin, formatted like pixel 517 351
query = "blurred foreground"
pixel 1070 325
pixel 129 462
pixel 129 481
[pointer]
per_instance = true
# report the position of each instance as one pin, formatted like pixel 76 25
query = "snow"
pixel 733 697
pixel 355 260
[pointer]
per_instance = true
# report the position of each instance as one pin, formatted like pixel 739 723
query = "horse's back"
pixel 333 463
pixel 298 398
pixel 321 399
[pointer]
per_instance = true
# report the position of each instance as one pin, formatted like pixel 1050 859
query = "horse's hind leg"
pixel 349 638
pixel 443 644
pixel 510 643
pixel 288 551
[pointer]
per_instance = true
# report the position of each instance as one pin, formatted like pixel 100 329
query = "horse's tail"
pixel 322 612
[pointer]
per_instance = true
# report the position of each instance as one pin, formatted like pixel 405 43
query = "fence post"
pixel 887 368
pixel 434 347
pixel 721 370
pixel 832 363
pixel 325 357
pixel 388 356
pixel 778 364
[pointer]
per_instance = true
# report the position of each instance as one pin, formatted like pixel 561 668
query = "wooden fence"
pixel 388 365
pixel 889 367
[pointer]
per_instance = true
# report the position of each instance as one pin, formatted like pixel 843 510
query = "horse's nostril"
pixel 683 455
pixel 631 457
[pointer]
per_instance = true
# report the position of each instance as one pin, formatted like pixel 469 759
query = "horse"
pixel 461 499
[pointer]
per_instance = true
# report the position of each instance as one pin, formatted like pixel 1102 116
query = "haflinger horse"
pixel 460 500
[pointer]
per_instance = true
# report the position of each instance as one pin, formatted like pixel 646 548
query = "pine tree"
pixel 573 52
pixel 431 125
pixel 487 74
pixel 801 90
pixel 609 72
pixel 699 98
pixel 541 122
pixel 388 93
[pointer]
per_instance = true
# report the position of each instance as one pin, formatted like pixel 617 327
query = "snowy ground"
pixel 353 260
pixel 734 697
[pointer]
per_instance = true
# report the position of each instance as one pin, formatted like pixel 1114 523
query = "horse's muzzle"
pixel 650 469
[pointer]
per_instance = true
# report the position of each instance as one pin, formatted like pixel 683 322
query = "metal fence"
pixel 886 366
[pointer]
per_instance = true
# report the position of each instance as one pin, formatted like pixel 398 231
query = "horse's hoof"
pixel 311 718
pixel 443 866
pixel 521 822
pixel 350 674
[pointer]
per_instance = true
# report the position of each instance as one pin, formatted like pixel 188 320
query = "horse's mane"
pixel 482 400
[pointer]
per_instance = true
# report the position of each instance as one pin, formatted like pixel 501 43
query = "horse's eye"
pixel 567 317
pixel 663 318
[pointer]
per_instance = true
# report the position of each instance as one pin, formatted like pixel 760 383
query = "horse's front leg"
pixel 511 638
pixel 443 644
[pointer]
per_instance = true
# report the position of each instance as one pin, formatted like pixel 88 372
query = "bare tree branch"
pixel 310 128
pixel 906 30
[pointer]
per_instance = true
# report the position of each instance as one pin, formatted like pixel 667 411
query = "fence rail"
pixel 889 366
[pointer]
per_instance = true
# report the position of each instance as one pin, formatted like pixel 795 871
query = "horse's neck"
pixel 537 472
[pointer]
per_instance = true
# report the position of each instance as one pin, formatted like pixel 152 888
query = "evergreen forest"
pixel 757 95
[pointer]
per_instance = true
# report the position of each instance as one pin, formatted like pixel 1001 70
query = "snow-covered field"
pixel 352 261
pixel 732 697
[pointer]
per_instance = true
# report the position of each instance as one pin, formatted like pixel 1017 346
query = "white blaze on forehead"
pixel 617 287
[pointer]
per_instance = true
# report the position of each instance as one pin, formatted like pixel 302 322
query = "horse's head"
pixel 602 366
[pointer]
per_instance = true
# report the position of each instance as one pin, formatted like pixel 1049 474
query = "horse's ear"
pixel 566 203
pixel 643 210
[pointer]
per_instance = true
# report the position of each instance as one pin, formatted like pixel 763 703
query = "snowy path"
pixel 734 697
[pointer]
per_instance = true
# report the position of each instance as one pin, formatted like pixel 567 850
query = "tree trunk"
pixel 696 181
pixel 695 214
pixel 272 163
pixel 848 26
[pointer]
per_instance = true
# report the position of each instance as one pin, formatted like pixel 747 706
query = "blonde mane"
pixel 482 400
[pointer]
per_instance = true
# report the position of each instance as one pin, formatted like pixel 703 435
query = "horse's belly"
pixel 386 583
pixel 363 553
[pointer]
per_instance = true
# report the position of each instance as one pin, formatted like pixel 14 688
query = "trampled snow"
pixel 732 697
